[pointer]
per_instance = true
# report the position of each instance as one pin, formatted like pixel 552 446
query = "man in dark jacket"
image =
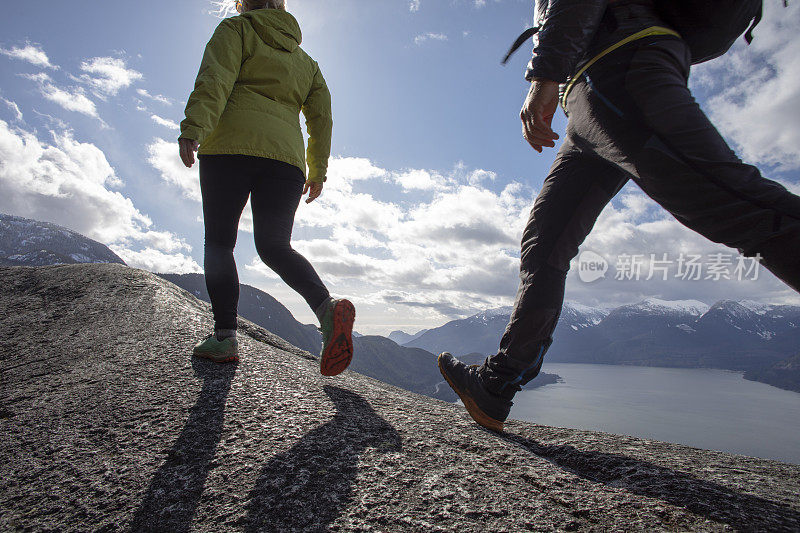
pixel 631 116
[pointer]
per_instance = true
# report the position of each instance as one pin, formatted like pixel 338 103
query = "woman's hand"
pixel 187 148
pixel 315 188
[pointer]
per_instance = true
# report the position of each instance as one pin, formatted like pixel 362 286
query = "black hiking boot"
pixel 487 409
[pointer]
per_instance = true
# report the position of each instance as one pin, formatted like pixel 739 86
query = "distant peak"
pixel 497 311
pixel 694 307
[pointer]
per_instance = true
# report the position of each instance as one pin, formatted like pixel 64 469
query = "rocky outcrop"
pixel 108 424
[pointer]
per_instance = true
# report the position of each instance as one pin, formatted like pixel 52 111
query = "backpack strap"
pixel 647 32
pixel 748 35
pixel 524 36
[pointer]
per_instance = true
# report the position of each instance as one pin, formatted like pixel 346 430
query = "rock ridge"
pixel 108 424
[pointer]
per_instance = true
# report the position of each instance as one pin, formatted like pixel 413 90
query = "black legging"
pixel 275 189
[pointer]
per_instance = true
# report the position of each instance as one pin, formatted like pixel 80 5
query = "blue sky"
pixel 431 181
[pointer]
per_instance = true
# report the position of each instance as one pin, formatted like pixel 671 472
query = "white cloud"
pixel 413 6
pixel 158 261
pixel 164 157
pixel 71 99
pixel 793 188
pixel 108 75
pixel 457 248
pixel 479 176
pixel 453 248
pixel 155 97
pixel 71 183
pixel 419 179
pixel 755 97
pixel 54 122
pixel 635 224
pixel 466 216
pixel 165 122
pixel 347 169
pixel 14 108
pixel 430 36
pixel 31 53
pixel 258 267
pixel 246 220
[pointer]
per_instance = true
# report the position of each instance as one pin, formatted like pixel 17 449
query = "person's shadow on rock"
pixel 306 487
pixel 706 498
pixel 174 493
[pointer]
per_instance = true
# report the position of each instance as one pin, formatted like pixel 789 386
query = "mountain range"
pixel 759 339
pixel 401 337
pixel 733 335
pixel 27 242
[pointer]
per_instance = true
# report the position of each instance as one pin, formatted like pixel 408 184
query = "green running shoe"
pixel 337 338
pixel 224 351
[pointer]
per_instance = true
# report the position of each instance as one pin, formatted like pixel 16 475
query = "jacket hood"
pixel 276 27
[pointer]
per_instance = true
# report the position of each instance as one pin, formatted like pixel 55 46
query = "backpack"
pixel 710 27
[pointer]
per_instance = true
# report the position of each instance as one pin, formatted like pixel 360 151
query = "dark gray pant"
pixel 632 116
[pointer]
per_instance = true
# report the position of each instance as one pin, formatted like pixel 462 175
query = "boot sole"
pixel 481 418
pixel 218 359
pixel 339 352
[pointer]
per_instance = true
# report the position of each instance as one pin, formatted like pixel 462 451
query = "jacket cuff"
pixel 190 132
pixel 549 68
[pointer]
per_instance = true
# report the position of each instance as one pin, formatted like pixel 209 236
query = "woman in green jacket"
pixel 243 115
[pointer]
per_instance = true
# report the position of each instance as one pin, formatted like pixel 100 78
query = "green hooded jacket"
pixel 253 83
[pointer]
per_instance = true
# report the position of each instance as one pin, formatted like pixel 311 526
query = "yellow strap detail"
pixel 647 32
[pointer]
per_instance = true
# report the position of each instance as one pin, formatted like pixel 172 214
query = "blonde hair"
pixel 224 8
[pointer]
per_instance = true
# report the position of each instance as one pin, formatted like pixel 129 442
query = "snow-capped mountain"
pixel 651 314
pixel 667 307
pixel 577 316
pixel 684 333
pixel 26 242
pixel 477 333
pixel 749 319
pixel 481 332
pixel 491 314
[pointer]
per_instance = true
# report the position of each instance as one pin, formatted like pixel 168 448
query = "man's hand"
pixel 316 189
pixel 187 148
pixel 537 114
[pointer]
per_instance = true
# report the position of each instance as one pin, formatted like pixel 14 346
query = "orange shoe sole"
pixel 481 418
pixel 224 359
pixel 229 359
pixel 339 352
